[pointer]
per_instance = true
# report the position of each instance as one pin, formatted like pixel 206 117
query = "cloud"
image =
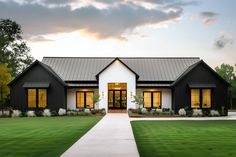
pixel 208 17
pixel 223 40
pixel 114 21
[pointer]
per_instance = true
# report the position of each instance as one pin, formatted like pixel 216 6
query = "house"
pixel 72 82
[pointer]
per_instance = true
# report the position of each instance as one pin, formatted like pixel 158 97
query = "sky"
pixel 127 28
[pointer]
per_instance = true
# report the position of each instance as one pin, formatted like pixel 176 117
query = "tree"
pixel 227 72
pixel 13 49
pixel 138 100
pixel 5 78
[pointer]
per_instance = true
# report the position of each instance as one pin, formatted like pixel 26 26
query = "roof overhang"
pixel 202 85
pixel 36 85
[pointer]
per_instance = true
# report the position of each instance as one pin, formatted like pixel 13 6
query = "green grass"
pixel 185 138
pixel 41 136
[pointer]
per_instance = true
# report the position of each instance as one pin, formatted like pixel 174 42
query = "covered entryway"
pixel 117 96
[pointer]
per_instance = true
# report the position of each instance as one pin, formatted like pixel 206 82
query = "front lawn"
pixel 41 136
pixel 185 138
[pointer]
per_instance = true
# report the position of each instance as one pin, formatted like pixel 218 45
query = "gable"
pixel 117 65
pixel 200 72
pixel 35 72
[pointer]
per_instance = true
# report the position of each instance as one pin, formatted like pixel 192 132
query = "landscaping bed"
pixel 185 138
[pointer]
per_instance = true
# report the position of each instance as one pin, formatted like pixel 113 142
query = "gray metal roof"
pixel 148 68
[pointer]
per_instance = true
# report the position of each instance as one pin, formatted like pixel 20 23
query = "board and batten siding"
pixel 166 96
pixel 116 72
pixel 71 96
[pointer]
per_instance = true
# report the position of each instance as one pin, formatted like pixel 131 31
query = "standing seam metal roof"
pixel 148 68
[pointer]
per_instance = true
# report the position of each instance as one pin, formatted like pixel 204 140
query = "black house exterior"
pixel 72 82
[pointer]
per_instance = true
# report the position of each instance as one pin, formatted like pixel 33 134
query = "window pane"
pixel 89 99
pixel 156 99
pixel 195 98
pixel 42 98
pixel 147 99
pixel 80 100
pixel 31 98
pixel 206 98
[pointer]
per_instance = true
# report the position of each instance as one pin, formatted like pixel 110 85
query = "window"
pixel 157 100
pixel 80 100
pixel 152 99
pixel 89 99
pixel 32 98
pixel 42 98
pixel 37 98
pixel 206 98
pixel 195 98
pixel 201 98
pixel 84 100
pixel 147 99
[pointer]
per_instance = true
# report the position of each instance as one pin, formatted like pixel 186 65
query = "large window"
pixel 200 98
pixel 84 99
pixel 37 98
pixel 206 98
pixel 152 99
pixel 32 98
pixel 195 98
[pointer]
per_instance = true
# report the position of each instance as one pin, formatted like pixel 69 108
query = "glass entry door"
pixel 117 99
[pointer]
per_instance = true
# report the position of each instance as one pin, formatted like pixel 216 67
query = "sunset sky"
pixel 203 28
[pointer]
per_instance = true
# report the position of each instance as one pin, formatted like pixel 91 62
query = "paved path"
pixel 231 116
pixel 111 137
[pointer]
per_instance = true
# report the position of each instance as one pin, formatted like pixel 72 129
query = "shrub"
pixel 132 110
pixel 39 113
pixel 83 113
pixel 61 112
pixel 30 114
pixel 172 112
pixel 166 109
pixel 54 113
pixel 99 111
pixel 72 113
pixel 182 112
pixel 158 111
pixel 5 113
pixel 152 111
pixel 87 110
pixel 214 113
pixel 197 112
pixel 144 111
pixel 16 113
pixel 46 113
pixel 206 112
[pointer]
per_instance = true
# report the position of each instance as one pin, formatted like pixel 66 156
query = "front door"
pixel 117 99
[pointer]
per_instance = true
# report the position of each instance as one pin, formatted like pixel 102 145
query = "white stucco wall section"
pixel 166 98
pixel 116 72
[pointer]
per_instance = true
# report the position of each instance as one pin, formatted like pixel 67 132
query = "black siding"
pixel 200 74
pixel 56 94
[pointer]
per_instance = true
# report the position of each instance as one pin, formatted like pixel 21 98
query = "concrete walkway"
pixel 231 116
pixel 111 137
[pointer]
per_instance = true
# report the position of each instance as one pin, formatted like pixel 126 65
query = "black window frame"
pixel 37 95
pixel 84 92
pixel 201 98
pixel 152 99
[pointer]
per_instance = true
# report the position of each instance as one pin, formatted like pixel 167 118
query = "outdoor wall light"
pixel 102 94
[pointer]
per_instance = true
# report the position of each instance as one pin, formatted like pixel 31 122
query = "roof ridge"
pixel 124 57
